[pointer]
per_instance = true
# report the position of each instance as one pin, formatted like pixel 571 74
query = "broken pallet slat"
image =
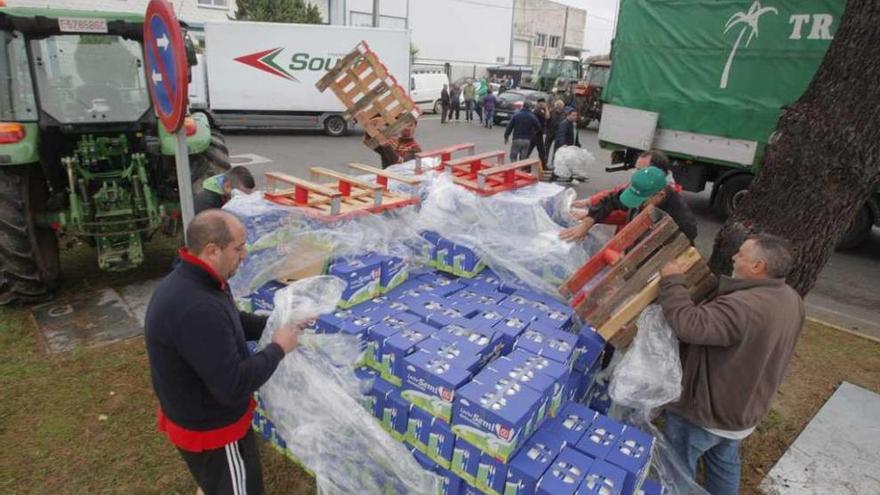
pixel 445 154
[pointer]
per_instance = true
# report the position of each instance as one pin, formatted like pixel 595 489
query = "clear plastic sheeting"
pixel 314 400
pixel 649 374
pixel 643 379
pixel 572 161
pixel 515 232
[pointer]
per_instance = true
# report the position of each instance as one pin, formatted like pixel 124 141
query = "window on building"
pixel 214 3
pixel 554 41
pixel 541 39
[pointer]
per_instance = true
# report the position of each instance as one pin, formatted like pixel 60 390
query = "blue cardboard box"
pixel 395 414
pixel 380 391
pixel 483 342
pixel 477 294
pixel 465 460
pixel 440 285
pixel 632 453
pixel 600 437
pixel 450 483
pixel 599 399
pixel 466 263
pixel 554 344
pixel 422 304
pixel 449 314
pixel 461 353
pixel 440 443
pixel 496 414
pixel 491 475
pixel 430 382
pixel 527 467
pixel 590 347
pixel 565 474
pixel 376 337
pixel 394 271
pixel 603 478
pixel 357 325
pixel 332 322
pixel 367 378
pixel 263 299
pixel 361 277
pixel 402 344
pixel 650 487
pixel 444 255
pixel 572 422
pixel 509 328
pixel 488 316
pixel 539 373
pixel 401 320
pixel 418 425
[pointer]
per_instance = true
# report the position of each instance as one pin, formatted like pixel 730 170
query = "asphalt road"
pixel 847 293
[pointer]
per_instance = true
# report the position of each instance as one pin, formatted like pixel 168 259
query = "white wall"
pixel 186 10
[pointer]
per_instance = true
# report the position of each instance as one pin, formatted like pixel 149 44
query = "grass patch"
pixel 56 443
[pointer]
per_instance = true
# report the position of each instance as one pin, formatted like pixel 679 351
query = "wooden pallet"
pixel 371 95
pixel 479 174
pixel 444 154
pixel 348 196
pixel 613 287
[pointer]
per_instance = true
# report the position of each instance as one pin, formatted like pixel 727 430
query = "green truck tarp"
pixel 724 68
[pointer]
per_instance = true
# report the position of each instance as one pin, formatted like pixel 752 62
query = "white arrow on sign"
pixel 162 42
pixel 157 78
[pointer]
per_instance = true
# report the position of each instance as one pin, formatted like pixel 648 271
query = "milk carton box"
pixel 367 377
pixel 449 314
pixel 491 475
pixel 460 353
pixel 422 304
pixel 402 344
pixel 478 294
pixel 442 285
pixel 632 453
pixel 484 344
pixel 603 478
pixel 465 460
pixel 488 316
pixel 263 299
pixel 600 401
pixel 395 414
pixel 553 344
pixel 430 382
pixel 509 328
pixel 539 373
pixel 600 437
pixel 377 358
pixel 440 443
pixel 361 277
pixel 417 428
pixel 565 474
pixel 380 392
pixel 527 467
pixel 650 487
pixel 393 271
pixel 444 255
pixel 450 484
pixel 401 320
pixel 466 263
pixel 332 322
pixel 590 347
pixel 495 413
pixel 572 422
pixel 357 325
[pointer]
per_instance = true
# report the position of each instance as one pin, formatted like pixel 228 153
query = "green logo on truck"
pixel 265 61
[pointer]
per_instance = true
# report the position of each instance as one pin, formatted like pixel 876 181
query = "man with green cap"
pixel 647 186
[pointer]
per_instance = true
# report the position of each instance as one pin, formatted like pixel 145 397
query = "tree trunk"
pixel 823 161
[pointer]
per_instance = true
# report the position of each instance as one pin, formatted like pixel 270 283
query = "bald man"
pixel 201 369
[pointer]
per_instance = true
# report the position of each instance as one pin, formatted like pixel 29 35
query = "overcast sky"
pixel 600 23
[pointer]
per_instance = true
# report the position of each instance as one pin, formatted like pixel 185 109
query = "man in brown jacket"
pixel 735 351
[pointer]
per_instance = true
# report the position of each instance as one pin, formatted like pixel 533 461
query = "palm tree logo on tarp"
pixel 750 23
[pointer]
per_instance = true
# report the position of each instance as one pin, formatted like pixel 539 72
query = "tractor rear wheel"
pixel 29 261
pixel 213 161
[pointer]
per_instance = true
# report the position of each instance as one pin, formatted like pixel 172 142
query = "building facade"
pixel 545 29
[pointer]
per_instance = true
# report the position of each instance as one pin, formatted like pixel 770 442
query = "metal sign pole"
pixel 184 184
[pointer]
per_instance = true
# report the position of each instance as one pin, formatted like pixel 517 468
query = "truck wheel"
pixel 858 230
pixel 731 193
pixel 29 262
pixel 213 161
pixel 335 126
pixel 438 107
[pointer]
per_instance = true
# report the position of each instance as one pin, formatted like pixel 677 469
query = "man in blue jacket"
pixel 201 369
pixel 524 126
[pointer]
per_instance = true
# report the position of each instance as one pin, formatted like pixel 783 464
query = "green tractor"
pixel 81 153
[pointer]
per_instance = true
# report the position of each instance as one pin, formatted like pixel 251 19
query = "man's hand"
pixel 579 214
pixel 578 232
pixel 288 336
pixel 506 140
pixel 580 203
pixel 671 268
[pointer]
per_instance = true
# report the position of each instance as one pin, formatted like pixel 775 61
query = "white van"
pixel 425 89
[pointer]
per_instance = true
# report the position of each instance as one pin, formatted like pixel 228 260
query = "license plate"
pixel 81 25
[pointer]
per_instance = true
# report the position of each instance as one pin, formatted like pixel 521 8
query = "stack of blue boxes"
pixel 482 381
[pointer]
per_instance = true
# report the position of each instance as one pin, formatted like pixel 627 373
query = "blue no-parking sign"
pixel 166 64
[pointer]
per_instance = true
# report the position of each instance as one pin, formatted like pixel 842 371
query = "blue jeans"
pixel 720 455
pixel 488 116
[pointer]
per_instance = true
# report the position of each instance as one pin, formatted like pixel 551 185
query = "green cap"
pixel 644 184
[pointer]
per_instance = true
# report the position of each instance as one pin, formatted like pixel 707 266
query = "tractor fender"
pixel 25 151
pixel 196 143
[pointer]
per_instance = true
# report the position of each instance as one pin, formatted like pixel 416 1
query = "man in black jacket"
pixel 444 103
pixel 557 115
pixel 524 126
pixel 200 366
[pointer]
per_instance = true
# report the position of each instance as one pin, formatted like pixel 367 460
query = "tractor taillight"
pixel 11 133
pixel 190 125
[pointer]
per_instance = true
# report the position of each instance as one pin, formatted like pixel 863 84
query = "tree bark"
pixel 823 162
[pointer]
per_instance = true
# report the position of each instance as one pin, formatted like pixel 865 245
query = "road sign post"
pixel 167 74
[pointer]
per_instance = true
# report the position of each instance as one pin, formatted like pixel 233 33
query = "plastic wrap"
pixel 643 379
pixel 572 161
pixel 513 231
pixel 314 400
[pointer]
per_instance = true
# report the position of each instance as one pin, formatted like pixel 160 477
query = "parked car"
pixel 512 100
pixel 425 89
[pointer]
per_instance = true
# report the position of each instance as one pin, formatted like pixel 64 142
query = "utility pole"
pixel 375 13
pixel 512 30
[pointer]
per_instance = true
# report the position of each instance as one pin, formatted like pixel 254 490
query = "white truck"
pixel 262 75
